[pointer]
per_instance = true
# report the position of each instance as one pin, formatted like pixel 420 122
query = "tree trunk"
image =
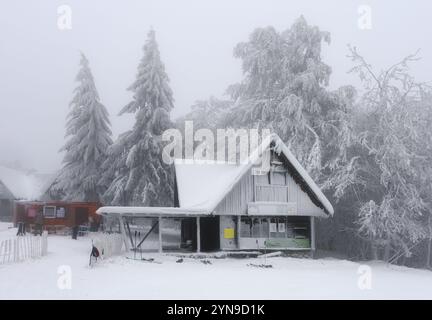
pixel 429 246
pixel 374 251
pixel 387 249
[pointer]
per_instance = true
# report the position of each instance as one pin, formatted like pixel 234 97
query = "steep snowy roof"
pixel 5 193
pixel 23 186
pixel 309 185
pixel 202 185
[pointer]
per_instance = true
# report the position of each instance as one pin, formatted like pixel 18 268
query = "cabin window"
pixel 245 227
pixel 60 212
pixel 256 228
pixel 300 232
pixel 278 178
pixel 49 211
pixel 262 179
pixel 298 227
pixel 277 227
pixel 32 212
pixel 265 228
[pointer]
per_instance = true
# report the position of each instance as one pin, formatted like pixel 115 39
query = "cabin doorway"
pixel 209 233
pixel 81 216
pixel 188 234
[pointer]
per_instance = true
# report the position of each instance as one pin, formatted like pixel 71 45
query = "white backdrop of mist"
pixel 39 62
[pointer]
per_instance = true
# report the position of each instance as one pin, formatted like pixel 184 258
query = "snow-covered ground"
pixel 230 278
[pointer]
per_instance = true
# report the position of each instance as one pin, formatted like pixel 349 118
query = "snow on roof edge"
pixel 304 174
pixel 137 211
pixel 291 158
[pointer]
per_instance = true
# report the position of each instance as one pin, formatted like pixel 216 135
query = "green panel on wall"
pixel 287 243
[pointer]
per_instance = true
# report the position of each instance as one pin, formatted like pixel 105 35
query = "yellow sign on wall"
pixel 229 233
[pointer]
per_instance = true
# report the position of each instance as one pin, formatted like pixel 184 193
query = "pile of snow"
pixel 7 231
pixel 165 278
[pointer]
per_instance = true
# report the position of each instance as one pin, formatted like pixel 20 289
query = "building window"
pixel 265 228
pixel 278 178
pixel 60 212
pixel 298 227
pixel 262 179
pixel 49 211
pixel 275 227
pixel 245 227
pixel 256 228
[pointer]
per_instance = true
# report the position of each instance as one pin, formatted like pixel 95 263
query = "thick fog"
pixel 39 61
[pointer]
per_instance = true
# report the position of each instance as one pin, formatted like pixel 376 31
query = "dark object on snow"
pixel 179 260
pixel 260 265
pixel 145 260
pixel 94 255
pixel 206 261
pixel 21 229
pixel 38 229
pixel 39 220
pixel 75 232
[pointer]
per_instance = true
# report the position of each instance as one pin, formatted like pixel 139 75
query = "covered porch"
pixel 164 229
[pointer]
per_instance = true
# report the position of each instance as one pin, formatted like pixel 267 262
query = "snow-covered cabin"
pixel 16 184
pixel 6 203
pixel 228 206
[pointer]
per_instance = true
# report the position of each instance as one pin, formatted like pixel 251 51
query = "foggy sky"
pixel 39 62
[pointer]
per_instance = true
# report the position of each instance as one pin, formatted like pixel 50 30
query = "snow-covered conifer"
pixel 135 172
pixel 88 139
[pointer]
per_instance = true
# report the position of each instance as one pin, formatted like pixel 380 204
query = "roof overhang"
pixel 138 212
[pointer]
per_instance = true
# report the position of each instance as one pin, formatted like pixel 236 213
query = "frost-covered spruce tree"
pixel 285 89
pixel 135 170
pixel 88 139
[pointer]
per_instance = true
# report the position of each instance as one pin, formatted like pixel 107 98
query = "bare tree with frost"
pixel 89 137
pixel 393 160
pixel 135 173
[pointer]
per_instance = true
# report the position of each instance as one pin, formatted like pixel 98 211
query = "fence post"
pixel 30 240
pixel 9 250
pixel 1 250
pixel 44 242
pixel 15 250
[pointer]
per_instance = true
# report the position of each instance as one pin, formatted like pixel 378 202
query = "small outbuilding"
pixel 6 203
pixel 57 216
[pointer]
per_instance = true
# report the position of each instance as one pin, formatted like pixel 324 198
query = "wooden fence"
pixel 21 248
pixel 108 245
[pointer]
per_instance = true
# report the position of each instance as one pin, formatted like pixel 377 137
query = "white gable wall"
pixel 236 201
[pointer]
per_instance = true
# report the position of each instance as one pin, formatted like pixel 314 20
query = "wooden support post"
pixel 160 234
pixel 148 233
pixel 254 187
pixel 238 231
pixel 123 232
pixel 312 222
pixel 198 234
